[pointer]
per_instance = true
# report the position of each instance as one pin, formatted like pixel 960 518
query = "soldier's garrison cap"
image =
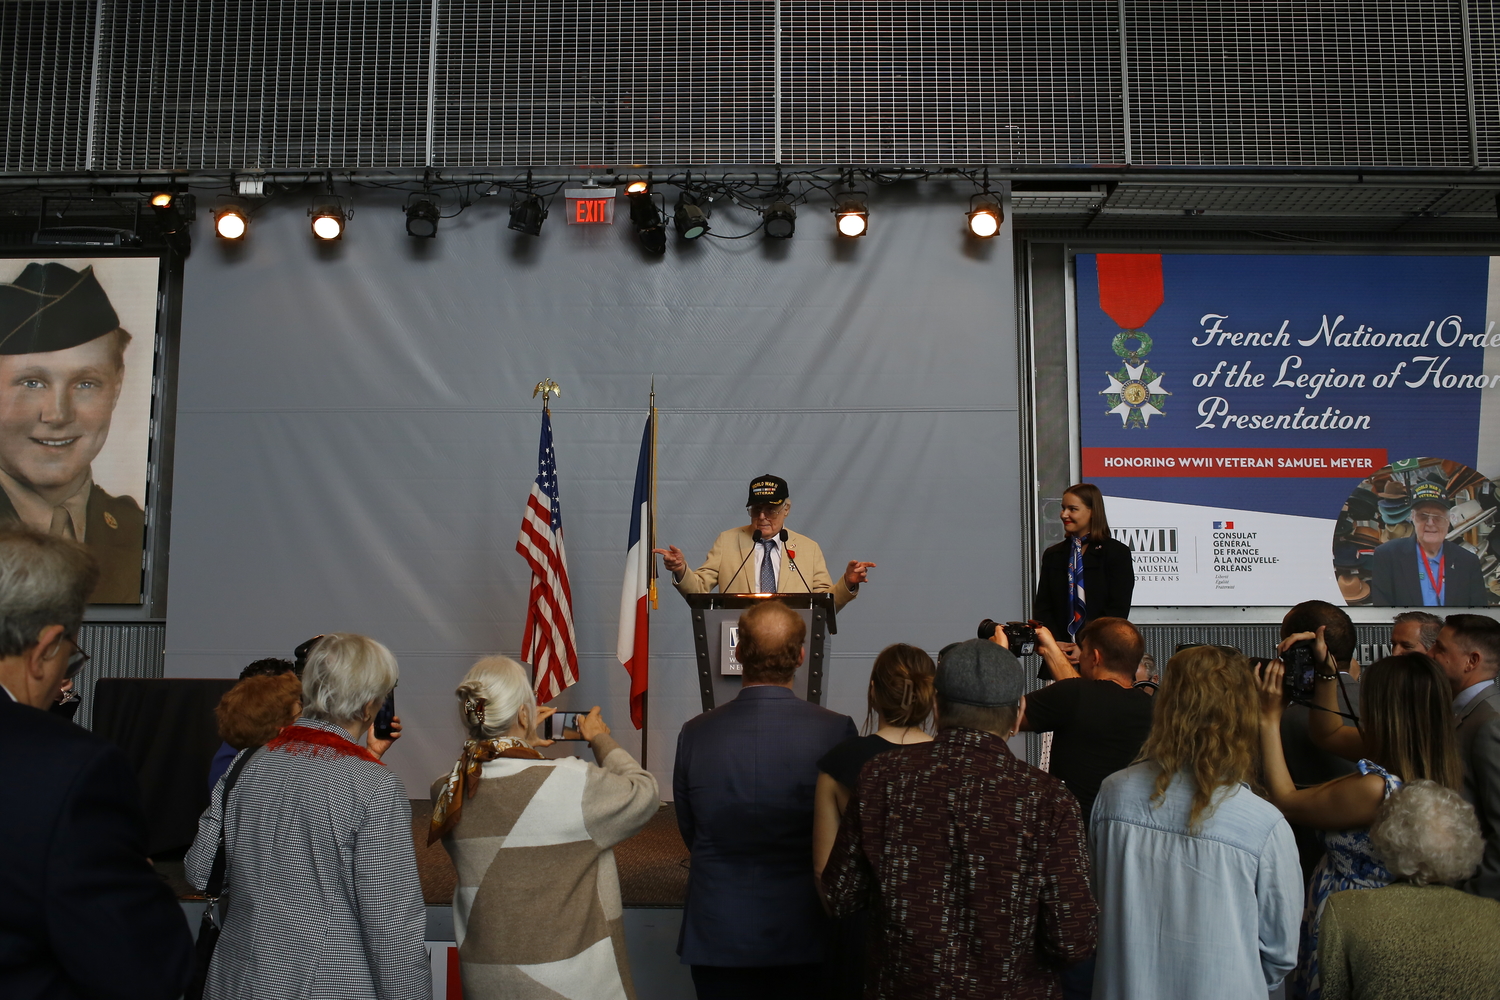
pixel 51 307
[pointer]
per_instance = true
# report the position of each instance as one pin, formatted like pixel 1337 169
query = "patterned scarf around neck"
pixel 310 741
pixel 463 780
pixel 1076 604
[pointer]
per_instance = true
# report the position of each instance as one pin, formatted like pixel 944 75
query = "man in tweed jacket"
pixel 972 861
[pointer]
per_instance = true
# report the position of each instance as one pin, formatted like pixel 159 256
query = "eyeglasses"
pixel 768 509
pixel 1429 518
pixel 75 661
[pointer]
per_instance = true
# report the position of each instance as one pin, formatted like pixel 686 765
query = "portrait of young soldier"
pixel 62 366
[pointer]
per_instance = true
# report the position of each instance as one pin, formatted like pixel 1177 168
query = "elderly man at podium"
pixel 762 557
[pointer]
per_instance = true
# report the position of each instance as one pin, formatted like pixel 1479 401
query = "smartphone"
pixel 563 726
pixel 384 717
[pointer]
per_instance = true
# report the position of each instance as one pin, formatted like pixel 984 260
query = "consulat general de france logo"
pixel 1135 392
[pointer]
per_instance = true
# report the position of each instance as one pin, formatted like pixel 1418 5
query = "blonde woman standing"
pixel 1197 877
pixel 537 909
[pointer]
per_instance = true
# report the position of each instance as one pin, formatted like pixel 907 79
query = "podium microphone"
pixel 754 541
pixel 793 560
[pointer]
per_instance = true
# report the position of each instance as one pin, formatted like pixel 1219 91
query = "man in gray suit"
pixel 1468 650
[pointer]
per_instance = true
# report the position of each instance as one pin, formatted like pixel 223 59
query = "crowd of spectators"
pixel 1156 856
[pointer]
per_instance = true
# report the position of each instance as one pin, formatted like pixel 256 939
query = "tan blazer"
pixel 730 550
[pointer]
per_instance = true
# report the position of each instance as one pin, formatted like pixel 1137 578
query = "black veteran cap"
pixel 51 307
pixel 1427 492
pixel 767 489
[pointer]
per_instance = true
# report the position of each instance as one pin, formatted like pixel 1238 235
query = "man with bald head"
pixel 753 925
pixel 62 366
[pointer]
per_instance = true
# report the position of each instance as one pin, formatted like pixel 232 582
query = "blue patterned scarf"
pixel 1076 603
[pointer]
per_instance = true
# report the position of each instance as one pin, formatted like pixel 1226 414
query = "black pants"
pixel 763 982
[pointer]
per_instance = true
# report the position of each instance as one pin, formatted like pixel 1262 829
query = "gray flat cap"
pixel 980 673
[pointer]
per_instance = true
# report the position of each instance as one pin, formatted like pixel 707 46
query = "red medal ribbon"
pixel 1437 585
pixel 1130 287
pixel 312 742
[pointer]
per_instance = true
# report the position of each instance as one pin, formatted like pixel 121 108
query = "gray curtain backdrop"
pixel 356 437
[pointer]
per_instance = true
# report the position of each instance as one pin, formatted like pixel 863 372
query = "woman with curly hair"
pixel 1197 878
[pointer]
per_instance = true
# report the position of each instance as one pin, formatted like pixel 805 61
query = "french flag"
pixel 634 646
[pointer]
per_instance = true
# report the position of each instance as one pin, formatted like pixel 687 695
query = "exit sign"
pixel 590 206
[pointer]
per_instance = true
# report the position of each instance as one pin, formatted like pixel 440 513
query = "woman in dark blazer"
pixel 1108 572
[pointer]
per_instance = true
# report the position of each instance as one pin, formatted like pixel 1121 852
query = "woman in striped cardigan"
pixel 537 909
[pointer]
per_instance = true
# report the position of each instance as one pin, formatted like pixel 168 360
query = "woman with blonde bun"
pixel 537 909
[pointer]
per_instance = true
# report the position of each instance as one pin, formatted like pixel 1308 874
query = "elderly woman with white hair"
pixel 537 909
pixel 1418 937
pixel 321 886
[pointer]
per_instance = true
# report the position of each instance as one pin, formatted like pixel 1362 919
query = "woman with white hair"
pixel 321 886
pixel 537 909
pixel 1418 937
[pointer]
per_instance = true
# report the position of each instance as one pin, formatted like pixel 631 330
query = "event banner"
pixel 1275 428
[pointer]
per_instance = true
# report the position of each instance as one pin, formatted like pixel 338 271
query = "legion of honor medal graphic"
pixel 1130 292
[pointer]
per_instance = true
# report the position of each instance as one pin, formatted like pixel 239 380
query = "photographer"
pixel 1409 735
pixel 1097 716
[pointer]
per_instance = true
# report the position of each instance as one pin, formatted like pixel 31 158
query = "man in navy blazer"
pixel 753 925
pixel 82 914
pixel 1444 574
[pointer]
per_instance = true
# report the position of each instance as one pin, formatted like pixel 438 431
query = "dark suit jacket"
pixel 115 532
pixel 1394 582
pixel 744 784
pixel 82 914
pixel 1108 583
pixel 1479 745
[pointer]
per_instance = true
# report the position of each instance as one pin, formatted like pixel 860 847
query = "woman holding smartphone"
pixel 532 840
pixel 1087 575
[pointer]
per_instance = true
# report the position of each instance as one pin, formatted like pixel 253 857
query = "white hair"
pixel 491 696
pixel 345 672
pixel 1426 833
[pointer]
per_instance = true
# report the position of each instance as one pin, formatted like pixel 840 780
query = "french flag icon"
pixel 1228 525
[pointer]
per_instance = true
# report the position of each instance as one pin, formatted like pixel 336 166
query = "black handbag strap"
pixel 215 886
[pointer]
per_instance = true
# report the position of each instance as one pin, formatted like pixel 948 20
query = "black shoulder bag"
pixel 208 928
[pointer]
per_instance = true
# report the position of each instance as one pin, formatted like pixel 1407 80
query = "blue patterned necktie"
pixel 1075 588
pixel 768 568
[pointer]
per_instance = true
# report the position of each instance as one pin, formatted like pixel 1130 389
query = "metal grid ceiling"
pixel 47 54
pixel 1286 83
pixel 204 84
pixel 304 84
pixel 951 81
pixel 606 82
pixel 1484 20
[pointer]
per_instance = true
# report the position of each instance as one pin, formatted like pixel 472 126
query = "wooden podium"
pixel 712 611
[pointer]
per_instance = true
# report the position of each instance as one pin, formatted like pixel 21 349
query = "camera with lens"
pixel 1020 635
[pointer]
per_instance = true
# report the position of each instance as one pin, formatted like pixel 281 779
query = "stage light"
pixel 852 216
pixel 690 218
pixel 985 215
pixel 637 187
pixel 527 210
pixel 647 219
pixel 231 221
pixel 781 220
pixel 161 199
pixel 422 215
pixel 328 221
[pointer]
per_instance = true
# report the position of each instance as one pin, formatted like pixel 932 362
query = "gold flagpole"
pixel 651 506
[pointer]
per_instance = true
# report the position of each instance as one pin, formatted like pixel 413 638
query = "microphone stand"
pixel 754 541
pixel 793 560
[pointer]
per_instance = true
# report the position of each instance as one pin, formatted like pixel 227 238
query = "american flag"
pixel 549 643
